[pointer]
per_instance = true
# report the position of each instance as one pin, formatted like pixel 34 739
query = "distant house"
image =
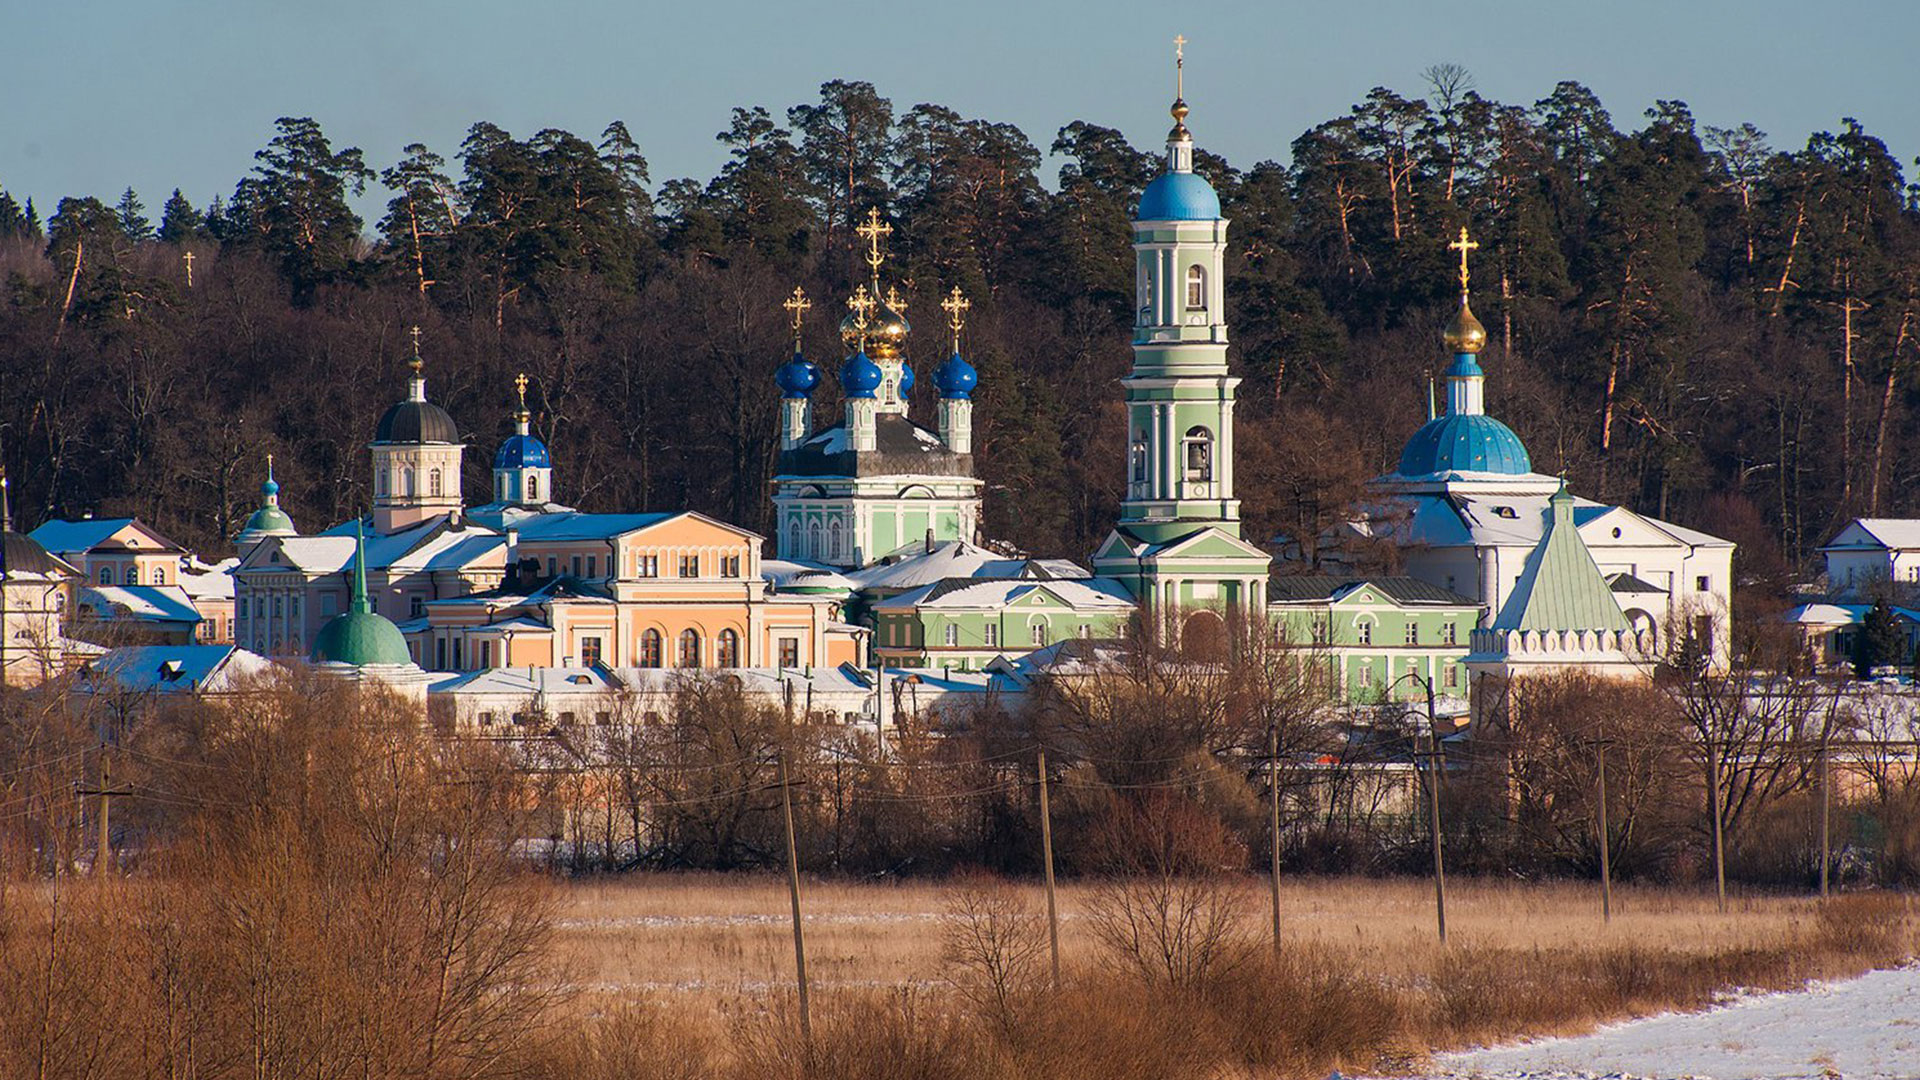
pixel 1827 631
pixel 171 669
pixel 1373 631
pixel 116 615
pixel 113 551
pixel 1869 550
pixel 964 623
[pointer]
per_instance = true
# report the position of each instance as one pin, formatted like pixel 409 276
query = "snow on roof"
pixel 914 566
pixel 173 668
pixel 67 537
pixel 430 545
pixel 990 593
pixel 1894 533
pixel 147 603
pixel 204 581
pixel 579 526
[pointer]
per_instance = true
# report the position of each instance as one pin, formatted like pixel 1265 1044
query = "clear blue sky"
pixel 161 93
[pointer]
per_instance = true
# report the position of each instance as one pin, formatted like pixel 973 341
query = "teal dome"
pixel 1179 196
pixel 1464 443
pixel 269 521
pixel 361 638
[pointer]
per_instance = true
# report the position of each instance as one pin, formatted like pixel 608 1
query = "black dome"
pixel 23 554
pixel 416 422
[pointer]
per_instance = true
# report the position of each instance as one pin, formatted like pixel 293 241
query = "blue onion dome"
pixel 522 452
pixel 860 377
pixel 271 486
pixel 956 378
pixel 906 379
pixel 1179 196
pixel 797 377
pixel 1464 443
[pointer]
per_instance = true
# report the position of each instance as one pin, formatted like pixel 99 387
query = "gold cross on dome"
pixel 874 231
pixel 797 307
pixel 861 303
pixel 956 305
pixel 414 363
pixel 1463 246
pixel 895 301
pixel 1179 65
pixel 520 387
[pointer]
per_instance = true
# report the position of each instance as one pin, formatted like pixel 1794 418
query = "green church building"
pixel 1378 639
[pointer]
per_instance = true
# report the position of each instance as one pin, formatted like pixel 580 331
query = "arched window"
pixel 834 537
pixel 1198 455
pixel 1196 288
pixel 159 575
pixel 133 574
pixel 106 575
pixel 379 481
pixel 533 487
pixel 1038 632
pixel 728 654
pixel 793 541
pixel 1139 457
pixel 650 649
pixel 689 648
pixel 433 483
pixel 815 549
pixel 500 488
pixel 406 481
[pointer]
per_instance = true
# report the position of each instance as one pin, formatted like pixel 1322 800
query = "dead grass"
pixel 1361 984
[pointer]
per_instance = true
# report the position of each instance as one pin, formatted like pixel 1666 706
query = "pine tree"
pixel 133 219
pixel 1880 642
pixel 295 206
pixel 180 222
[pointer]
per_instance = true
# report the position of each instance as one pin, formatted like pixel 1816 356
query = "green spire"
pixel 360 604
pixel 1561 587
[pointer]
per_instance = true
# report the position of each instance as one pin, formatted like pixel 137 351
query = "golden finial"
pixel 874 231
pixel 895 301
pixel 956 305
pixel 414 332
pixel 1464 334
pixel 1464 246
pixel 797 306
pixel 861 303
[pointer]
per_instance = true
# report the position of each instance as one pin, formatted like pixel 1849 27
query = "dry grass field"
pixel 715 937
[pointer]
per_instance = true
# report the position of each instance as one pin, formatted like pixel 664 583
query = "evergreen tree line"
pixel 1684 319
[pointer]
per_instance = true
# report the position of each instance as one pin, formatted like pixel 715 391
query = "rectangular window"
pixel 1366 674
pixel 1322 630
pixel 589 651
pixel 1702 583
pixel 1449 634
pixel 1413 632
pixel 416 606
pixel 440 654
pixel 689 566
pixel 456 655
pixel 276 607
pixel 602 719
pixel 1453 676
pixel 789 652
pixel 992 636
pixel 1039 633
pixel 1086 630
pixel 553 567
pixel 486 719
pixel 953 634
pixel 593 566
pixel 486 654
pixel 647 566
pixel 1364 632
pixel 576 566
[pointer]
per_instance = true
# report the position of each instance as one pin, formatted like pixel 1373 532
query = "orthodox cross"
pixel 414 332
pixel 861 303
pixel 520 387
pixel 874 231
pixel 188 257
pixel 797 306
pixel 895 301
pixel 1463 246
pixel 956 305
pixel 1179 66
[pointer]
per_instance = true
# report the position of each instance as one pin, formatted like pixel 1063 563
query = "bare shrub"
pixel 1169 911
pixel 992 945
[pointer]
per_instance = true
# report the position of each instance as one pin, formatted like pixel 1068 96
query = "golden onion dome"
pixel 887 331
pixel 1465 334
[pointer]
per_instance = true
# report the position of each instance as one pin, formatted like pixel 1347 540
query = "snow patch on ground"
pixel 1860 1028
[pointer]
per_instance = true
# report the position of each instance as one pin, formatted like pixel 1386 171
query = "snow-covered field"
pixel 1860 1028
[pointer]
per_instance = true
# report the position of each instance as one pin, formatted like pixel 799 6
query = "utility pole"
pixel 1273 795
pixel 1606 836
pixel 106 793
pixel 1826 810
pixel 793 883
pixel 1046 856
pixel 1433 801
pixel 1719 839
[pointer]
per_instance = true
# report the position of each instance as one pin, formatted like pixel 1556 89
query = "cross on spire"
pixel 1179 66
pixel 861 303
pixel 520 388
pixel 414 332
pixel 874 231
pixel 797 306
pixel 1464 246
pixel 956 305
pixel 895 301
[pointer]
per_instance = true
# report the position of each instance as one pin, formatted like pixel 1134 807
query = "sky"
pixel 158 94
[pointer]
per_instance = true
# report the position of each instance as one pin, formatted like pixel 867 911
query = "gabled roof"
pixel 1624 582
pixel 172 669
pixel 204 581
pixel 1402 590
pixel 1561 587
pixel 146 603
pixel 71 537
pixel 985 593
pixel 431 545
pixel 1192 544
pixel 1868 534
pixel 917 567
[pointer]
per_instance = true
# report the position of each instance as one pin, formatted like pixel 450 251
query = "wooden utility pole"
pixel 793 882
pixel 1719 839
pixel 105 793
pixel 1046 857
pixel 1826 811
pixel 1606 835
pixel 1433 801
pixel 1273 796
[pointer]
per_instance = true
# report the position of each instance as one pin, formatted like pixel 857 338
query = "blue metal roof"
pixel 1178 196
pixel 1467 443
pixel 860 377
pixel 956 378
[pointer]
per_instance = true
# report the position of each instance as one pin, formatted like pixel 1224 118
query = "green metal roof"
pixel 1561 587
